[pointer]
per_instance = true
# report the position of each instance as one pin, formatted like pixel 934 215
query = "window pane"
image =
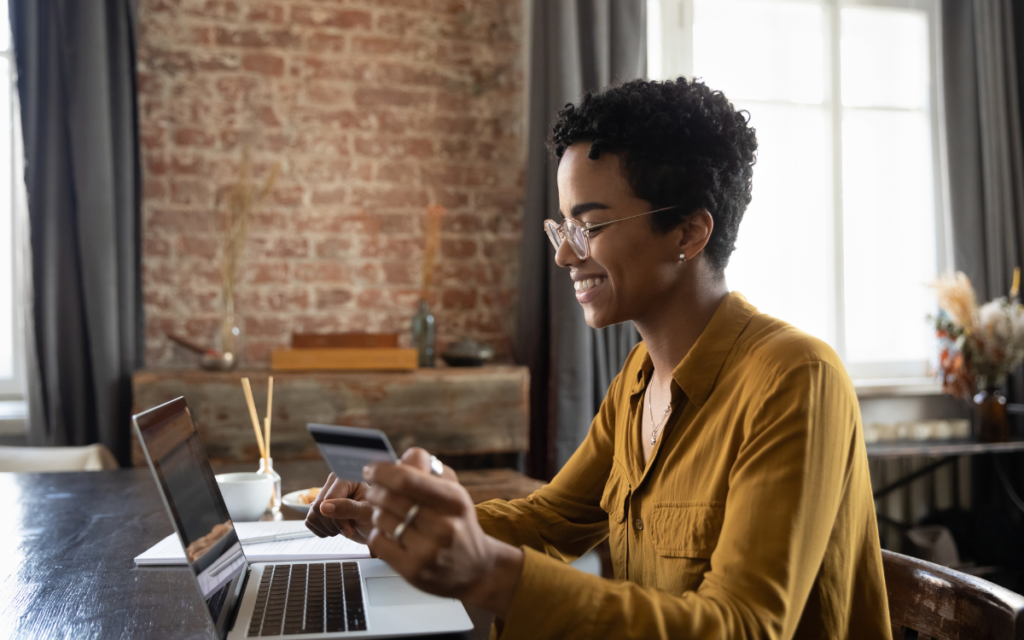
pixel 655 47
pixel 784 250
pixel 888 235
pixel 6 260
pixel 761 50
pixel 5 29
pixel 885 58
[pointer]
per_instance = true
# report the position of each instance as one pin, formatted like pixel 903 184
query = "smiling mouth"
pixel 583 286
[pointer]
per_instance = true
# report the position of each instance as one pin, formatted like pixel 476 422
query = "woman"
pixel 726 463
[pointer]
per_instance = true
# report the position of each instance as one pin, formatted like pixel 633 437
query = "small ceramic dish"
pixel 292 500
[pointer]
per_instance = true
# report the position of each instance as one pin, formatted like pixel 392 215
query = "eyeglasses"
pixel 577 234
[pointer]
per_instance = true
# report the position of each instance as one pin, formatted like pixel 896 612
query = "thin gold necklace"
pixel 656 426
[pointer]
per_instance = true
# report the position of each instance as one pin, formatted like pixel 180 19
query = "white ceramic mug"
pixel 246 495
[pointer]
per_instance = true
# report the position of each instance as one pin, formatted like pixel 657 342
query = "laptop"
pixel 350 598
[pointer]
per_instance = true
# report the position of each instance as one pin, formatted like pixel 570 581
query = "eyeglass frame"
pixel 587 228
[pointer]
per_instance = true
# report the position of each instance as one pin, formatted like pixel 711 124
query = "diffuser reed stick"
pixel 247 388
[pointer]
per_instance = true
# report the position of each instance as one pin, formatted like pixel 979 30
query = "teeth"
pixel 589 283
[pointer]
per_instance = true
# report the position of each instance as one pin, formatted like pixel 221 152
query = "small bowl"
pixel 247 495
pixel 467 353
pixel 292 500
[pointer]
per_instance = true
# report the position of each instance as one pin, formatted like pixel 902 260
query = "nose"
pixel 565 256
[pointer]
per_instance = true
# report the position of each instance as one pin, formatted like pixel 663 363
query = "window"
pixel 10 356
pixel 847 225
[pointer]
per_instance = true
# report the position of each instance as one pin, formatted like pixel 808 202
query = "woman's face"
pixel 630 268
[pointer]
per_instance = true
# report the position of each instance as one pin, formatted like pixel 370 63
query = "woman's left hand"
pixel 443 551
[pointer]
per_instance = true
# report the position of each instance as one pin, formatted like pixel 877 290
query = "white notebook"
pixel 169 552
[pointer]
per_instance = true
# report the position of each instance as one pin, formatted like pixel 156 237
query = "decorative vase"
pixel 423 334
pixel 227 358
pixel 990 419
pixel 267 467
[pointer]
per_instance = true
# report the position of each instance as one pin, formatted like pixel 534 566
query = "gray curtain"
pixel 76 80
pixel 986 160
pixel 576 45
pixel 984 145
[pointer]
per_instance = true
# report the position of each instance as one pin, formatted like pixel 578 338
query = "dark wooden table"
pixel 68 543
pixel 936 448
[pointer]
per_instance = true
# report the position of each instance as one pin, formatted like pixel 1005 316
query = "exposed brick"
pixel 333 247
pixel 458 248
pixel 376 147
pixel 197 246
pixel 266 12
pixel 386 46
pixel 390 197
pixel 329 195
pixel 282 247
pixel 193 137
pixel 256 38
pixel 266 326
pixel 324 68
pixel 332 298
pixel 371 98
pixel 321 271
pixel 156 247
pixel 374 109
pixel 289 300
pixel 327 42
pixel 267 272
pixel 153 189
pixel 265 63
pixel 458 298
pixel 399 273
pixel 191 191
pixel 322 16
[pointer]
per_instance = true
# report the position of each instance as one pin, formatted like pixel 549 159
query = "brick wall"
pixel 375 109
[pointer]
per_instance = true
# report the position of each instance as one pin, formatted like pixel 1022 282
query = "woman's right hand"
pixel 341 508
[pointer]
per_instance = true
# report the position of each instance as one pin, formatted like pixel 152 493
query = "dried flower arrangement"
pixel 978 346
pixel 242 198
pixel 423 321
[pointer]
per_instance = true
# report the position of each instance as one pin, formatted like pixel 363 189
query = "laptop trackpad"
pixel 393 591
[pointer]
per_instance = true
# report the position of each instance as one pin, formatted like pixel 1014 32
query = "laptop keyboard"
pixel 308 598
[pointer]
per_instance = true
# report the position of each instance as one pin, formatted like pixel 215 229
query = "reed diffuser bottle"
pixel 423 321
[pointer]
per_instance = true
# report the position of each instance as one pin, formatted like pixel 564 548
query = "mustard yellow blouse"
pixel 752 519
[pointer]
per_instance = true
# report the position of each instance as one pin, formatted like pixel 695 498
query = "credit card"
pixel 348 449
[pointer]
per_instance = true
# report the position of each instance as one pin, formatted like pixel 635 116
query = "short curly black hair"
pixel 681 144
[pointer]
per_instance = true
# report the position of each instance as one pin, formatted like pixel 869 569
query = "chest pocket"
pixel 685 535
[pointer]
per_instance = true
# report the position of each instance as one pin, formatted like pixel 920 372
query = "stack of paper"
pixel 169 552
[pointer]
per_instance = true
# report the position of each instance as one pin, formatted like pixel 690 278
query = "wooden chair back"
pixel 939 603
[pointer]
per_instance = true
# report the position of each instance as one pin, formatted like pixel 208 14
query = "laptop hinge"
pixel 238 601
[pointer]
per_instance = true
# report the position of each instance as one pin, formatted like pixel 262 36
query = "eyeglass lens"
pixel 574 235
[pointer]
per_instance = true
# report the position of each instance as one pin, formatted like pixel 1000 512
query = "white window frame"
pixel 14 388
pixel 670 28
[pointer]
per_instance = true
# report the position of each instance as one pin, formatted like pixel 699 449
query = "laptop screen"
pixel 186 481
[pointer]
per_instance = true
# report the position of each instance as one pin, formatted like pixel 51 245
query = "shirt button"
pixel 639 524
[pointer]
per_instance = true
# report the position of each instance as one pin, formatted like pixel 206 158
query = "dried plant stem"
pixel 241 200
pixel 435 213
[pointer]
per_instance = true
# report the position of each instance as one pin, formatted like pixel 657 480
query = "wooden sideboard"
pixel 448 411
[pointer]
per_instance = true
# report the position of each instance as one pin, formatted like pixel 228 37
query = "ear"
pixel 695 232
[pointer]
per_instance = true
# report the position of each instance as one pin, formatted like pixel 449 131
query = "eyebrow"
pixel 579 209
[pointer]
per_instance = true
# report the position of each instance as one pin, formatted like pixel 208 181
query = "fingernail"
pixel 326 508
pixel 366 471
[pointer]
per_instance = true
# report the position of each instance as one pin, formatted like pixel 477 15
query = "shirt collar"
pixel 697 372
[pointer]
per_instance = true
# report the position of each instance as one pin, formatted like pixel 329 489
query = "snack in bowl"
pixel 301 500
pixel 309 496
